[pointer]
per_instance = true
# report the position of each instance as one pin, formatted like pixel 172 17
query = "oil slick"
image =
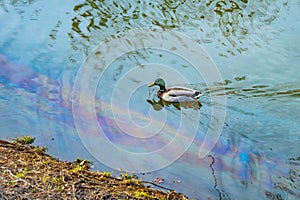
pixel 245 166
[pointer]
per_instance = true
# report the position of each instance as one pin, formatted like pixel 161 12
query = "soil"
pixel 27 172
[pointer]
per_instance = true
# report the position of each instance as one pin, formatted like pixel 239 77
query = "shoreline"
pixel 27 172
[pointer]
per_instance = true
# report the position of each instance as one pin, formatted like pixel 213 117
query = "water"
pixel 253 43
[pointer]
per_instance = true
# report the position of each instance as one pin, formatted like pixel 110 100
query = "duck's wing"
pixel 180 94
pixel 181 91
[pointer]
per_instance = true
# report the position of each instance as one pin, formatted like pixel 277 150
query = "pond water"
pixel 49 48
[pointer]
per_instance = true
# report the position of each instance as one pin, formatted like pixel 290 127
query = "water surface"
pixel 255 45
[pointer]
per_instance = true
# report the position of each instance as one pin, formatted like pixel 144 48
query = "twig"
pixel 73 189
pixel 156 185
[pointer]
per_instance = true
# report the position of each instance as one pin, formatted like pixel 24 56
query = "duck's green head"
pixel 159 82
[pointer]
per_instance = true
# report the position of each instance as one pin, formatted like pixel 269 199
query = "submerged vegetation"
pixel 27 172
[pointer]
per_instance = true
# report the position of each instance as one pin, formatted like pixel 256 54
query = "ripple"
pixel 232 25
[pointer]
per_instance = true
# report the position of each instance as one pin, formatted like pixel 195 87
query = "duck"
pixel 175 94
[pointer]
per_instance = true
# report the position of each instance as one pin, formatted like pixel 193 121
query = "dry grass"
pixel 26 172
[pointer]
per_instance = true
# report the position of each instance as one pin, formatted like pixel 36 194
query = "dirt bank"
pixel 27 172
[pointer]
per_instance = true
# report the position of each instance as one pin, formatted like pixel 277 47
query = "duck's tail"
pixel 197 95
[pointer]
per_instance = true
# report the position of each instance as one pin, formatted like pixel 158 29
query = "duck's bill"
pixel 150 84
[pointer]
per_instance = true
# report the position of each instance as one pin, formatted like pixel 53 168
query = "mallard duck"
pixel 175 94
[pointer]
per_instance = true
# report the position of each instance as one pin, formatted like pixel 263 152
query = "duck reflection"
pixel 160 104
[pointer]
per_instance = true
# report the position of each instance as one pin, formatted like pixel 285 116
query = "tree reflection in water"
pixel 227 24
